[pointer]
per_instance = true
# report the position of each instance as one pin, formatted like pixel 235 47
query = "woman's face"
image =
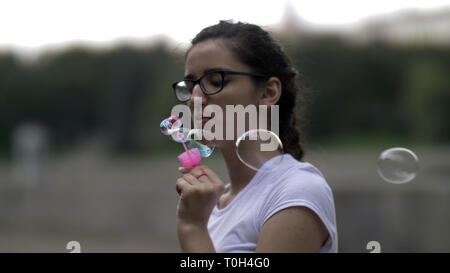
pixel 237 90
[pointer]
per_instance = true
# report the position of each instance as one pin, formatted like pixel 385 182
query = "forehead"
pixel 211 54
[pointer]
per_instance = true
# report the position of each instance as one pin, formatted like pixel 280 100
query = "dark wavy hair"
pixel 257 49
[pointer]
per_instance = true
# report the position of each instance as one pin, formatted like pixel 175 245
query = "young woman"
pixel 289 209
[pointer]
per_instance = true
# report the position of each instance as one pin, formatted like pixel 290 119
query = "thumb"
pixel 184 170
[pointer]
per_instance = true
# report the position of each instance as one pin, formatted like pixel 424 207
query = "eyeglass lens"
pixel 210 83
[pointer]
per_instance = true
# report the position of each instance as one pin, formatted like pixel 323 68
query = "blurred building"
pixel 403 27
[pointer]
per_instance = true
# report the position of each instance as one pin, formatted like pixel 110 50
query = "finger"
pixel 182 178
pixel 203 178
pixel 184 170
pixel 182 185
pixel 200 175
pixel 191 179
pixel 211 174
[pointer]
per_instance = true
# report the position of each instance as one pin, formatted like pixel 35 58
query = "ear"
pixel 271 93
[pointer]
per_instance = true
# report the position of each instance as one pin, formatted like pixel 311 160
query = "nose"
pixel 197 93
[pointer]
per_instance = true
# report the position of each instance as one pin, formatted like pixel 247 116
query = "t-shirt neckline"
pixel 258 173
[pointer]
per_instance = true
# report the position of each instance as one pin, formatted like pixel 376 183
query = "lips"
pixel 204 120
pixel 201 118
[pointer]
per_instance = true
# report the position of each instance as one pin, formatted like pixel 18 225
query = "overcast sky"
pixel 35 24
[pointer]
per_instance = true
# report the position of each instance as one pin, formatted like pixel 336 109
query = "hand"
pixel 198 196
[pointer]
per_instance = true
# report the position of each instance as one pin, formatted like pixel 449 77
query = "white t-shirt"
pixel 236 227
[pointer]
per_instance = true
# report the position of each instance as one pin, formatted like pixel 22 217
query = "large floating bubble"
pixel 260 149
pixel 398 165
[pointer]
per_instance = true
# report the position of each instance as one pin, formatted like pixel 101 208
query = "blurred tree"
pixel 355 91
pixel 426 100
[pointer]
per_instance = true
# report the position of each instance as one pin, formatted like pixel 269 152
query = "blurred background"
pixel 85 85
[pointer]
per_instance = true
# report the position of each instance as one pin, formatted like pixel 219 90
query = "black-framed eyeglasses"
pixel 210 83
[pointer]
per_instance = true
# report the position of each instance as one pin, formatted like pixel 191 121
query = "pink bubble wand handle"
pixel 190 158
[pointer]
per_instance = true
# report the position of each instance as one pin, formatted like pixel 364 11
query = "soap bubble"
pixel 165 128
pixel 398 165
pixel 169 125
pixel 180 135
pixel 195 137
pixel 260 149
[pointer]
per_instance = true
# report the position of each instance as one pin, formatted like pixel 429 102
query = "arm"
pixel 194 239
pixel 294 229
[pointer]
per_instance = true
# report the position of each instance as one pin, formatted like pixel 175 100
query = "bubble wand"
pixel 191 157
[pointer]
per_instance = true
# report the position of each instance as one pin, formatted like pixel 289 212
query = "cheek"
pixel 235 119
pixel 244 94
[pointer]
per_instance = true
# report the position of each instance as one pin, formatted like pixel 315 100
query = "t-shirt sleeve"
pixel 301 188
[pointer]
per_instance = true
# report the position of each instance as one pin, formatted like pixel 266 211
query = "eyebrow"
pixel 192 77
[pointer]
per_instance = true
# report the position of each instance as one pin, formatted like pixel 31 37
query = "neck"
pixel 240 175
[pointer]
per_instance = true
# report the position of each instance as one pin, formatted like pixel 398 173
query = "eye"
pixel 213 81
